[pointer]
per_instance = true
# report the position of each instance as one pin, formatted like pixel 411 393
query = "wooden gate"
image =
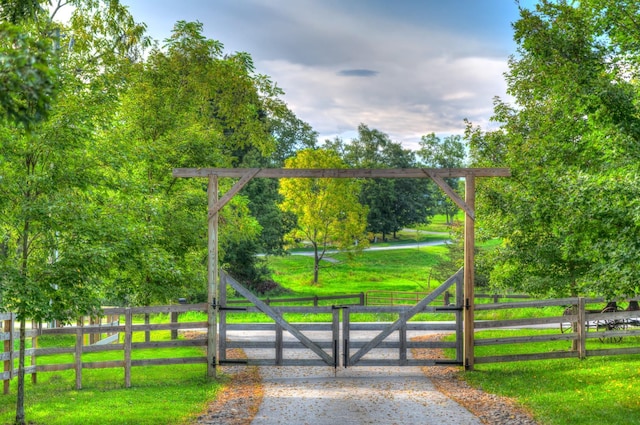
pixel 341 341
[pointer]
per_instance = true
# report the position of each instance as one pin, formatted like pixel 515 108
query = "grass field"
pixel 594 391
pixel 104 400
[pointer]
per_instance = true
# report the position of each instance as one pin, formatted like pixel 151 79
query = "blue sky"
pixel 404 67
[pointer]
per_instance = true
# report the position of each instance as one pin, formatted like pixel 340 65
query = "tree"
pixel 327 210
pixel 443 153
pixel 392 203
pixel 188 105
pixel 52 259
pixel 567 215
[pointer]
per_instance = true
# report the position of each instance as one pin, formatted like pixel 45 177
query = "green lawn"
pixel 103 398
pixel 597 390
pixel 400 270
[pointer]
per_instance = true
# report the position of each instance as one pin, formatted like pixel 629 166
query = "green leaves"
pixel 27 75
pixel 327 210
pixel 568 216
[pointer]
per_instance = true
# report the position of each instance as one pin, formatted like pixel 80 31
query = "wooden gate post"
pixel 212 276
pixel 469 247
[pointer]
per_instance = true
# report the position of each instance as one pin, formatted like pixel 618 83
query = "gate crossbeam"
pixel 266 309
pixel 402 320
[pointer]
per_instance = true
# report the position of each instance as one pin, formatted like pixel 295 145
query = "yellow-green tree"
pixel 327 210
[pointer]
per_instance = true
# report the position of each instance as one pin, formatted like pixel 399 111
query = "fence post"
pixel 315 301
pixel 403 339
pixel 147 333
pixel 279 344
pixel 222 324
pixel 459 320
pixel 174 319
pixel 8 350
pixel 362 302
pixel 495 298
pixel 34 344
pixel 447 297
pixel 128 318
pixel 582 331
pixel 78 352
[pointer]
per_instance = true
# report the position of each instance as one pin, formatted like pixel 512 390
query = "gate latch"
pixel 225 308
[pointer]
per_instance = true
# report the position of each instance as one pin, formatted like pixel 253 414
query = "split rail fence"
pixel 592 332
pixel 584 323
pixel 94 336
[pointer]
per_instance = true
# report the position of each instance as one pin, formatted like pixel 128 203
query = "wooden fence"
pixel 585 319
pixel 579 320
pixel 119 337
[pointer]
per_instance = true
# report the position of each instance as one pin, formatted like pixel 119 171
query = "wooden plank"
pixel 222 316
pixel 212 277
pixel 492 324
pixel 395 173
pixel 469 266
pixel 279 345
pixel 294 345
pixel 78 355
pixel 287 309
pixel 613 352
pixel 55 367
pixel 454 196
pixel 169 326
pixel 279 320
pixel 102 348
pixel 616 315
pixel 147 333
pixel 103 365
pixel 170 361
pixel 581 330
pixel 524 339
pixel 335 337
pixel 246 178
pixel 272 326
pixel 55 350
pixel 346 337
pixel 527 357
pixel 128 338
pixel 459 324
pixel 171 344
pixel 411 326
pixel 528 304
pixel 8 350
pixel 402 346
pixel 164 309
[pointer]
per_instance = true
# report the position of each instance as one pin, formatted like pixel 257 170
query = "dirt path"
pixel 359 395
pixel 364 395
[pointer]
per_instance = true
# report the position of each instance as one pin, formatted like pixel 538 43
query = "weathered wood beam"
pixel 396 173
pixel 246 178
pixel 453 195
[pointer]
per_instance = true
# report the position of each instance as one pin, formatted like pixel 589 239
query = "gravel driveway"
pixel 357 395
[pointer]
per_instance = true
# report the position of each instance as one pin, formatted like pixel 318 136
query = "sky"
pixel 404 67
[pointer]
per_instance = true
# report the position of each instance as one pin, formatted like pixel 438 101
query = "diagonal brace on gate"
pixel 456 278
pixel 277 317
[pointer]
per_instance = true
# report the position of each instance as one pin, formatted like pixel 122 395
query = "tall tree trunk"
pixel 316 264
pixel 20 419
